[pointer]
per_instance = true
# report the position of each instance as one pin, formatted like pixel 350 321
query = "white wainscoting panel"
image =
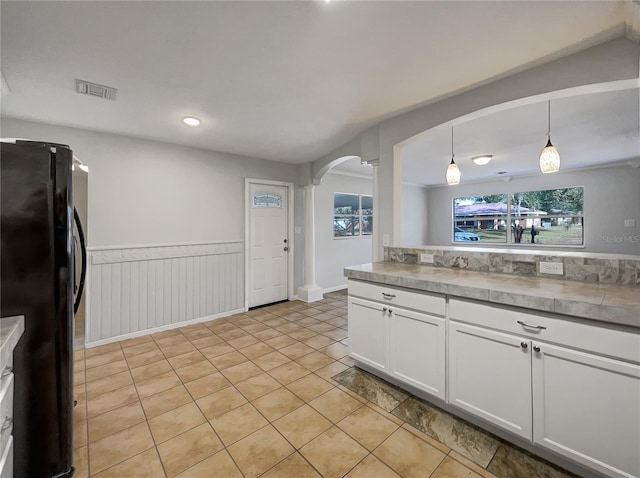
pixel 134 289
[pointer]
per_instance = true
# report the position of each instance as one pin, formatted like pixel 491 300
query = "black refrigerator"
pixel 36 281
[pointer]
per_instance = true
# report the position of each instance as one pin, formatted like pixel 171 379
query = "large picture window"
pixel 352 215
pixel 549 216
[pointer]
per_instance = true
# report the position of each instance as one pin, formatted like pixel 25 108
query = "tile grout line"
pixel 248 359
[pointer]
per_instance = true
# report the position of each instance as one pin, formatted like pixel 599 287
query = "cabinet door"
pixel 368 333
pixel 490 376
pixel 417 350
pixel 587 407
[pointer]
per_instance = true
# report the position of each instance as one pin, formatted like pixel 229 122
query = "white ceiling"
pixel 587 130
pixel 285 81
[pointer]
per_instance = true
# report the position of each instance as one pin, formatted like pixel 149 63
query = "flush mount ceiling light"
pixel 453 171
pixel 192 121
pixel 482 160
pixel 549 157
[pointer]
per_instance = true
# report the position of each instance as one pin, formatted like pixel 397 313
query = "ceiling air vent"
pixel 93 89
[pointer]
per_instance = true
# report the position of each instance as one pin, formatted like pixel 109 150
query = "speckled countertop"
pixel 611 303
pixel 11 329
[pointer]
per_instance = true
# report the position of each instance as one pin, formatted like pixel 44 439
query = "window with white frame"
pixel 547 217
pixel 352 215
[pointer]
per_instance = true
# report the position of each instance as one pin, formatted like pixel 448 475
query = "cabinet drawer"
pixel 600 339
pixel 423 302
pixel 6 460
pixel 6 410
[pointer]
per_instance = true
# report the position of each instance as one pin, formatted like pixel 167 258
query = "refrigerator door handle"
pixel 83 252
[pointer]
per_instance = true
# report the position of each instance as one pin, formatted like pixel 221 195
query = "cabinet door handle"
pixel 6 423
pixel 536 348
pixel 524 345
pixel 388 296
pixel 384 309
pixel 539 327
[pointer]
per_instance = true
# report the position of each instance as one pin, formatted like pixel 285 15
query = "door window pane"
pixel 267 200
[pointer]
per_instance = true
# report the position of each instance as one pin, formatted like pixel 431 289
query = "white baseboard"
pixel 334 289
pixel 177 325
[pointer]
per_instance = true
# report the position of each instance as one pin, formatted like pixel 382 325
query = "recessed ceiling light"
pixel 191 121
pixel 482 160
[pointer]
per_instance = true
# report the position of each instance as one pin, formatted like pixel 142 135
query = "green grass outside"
pixel 558 235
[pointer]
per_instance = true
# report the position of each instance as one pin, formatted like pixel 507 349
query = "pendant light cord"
pixel 548 118
pixel 452 155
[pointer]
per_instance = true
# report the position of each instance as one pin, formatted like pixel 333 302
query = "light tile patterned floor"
pixel 245 396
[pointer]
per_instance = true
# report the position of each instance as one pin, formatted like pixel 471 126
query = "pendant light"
pixel 453 171
pixel 549 157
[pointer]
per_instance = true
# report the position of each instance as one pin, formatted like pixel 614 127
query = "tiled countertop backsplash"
pixel 577 266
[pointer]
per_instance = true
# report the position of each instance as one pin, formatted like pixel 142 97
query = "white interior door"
pixel 268 244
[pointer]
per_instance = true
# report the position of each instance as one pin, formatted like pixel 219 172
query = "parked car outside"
pixel 460 235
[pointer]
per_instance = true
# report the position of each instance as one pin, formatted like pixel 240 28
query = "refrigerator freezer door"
pixel 35 281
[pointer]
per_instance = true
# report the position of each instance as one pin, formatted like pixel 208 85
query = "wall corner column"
pixel 376 246
pixel 309 292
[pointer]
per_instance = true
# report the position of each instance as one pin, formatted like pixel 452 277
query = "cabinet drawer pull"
pixel 388 296
pixel 524 345
pixel 7 371
pixel 536 348
pixel 539 327
pixel 384 309
pixel 6 423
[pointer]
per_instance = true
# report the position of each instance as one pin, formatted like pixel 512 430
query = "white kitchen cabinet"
pixel 587 407
pixel 400 333
pixel 490 376
pixel 530 374
pixel 417 352
pixel 368 335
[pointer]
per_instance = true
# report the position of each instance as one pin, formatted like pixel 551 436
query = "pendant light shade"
pixel 549 157
pixel 453 171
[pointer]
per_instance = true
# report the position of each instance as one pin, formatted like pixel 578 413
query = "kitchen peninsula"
pixel 552 365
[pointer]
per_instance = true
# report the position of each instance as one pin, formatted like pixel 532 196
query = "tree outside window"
pixel 550 216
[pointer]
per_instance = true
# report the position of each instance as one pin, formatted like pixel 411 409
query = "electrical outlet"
pixel 551 268
pixel 297 230
pixel 385 239
pixel 426 258
pixel 629 223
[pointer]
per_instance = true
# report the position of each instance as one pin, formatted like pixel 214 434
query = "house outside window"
pixel 352 215
pixel 545 217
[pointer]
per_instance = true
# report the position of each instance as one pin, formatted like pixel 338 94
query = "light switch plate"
pixel 426 258
pixel 556 268
pixel 629 223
